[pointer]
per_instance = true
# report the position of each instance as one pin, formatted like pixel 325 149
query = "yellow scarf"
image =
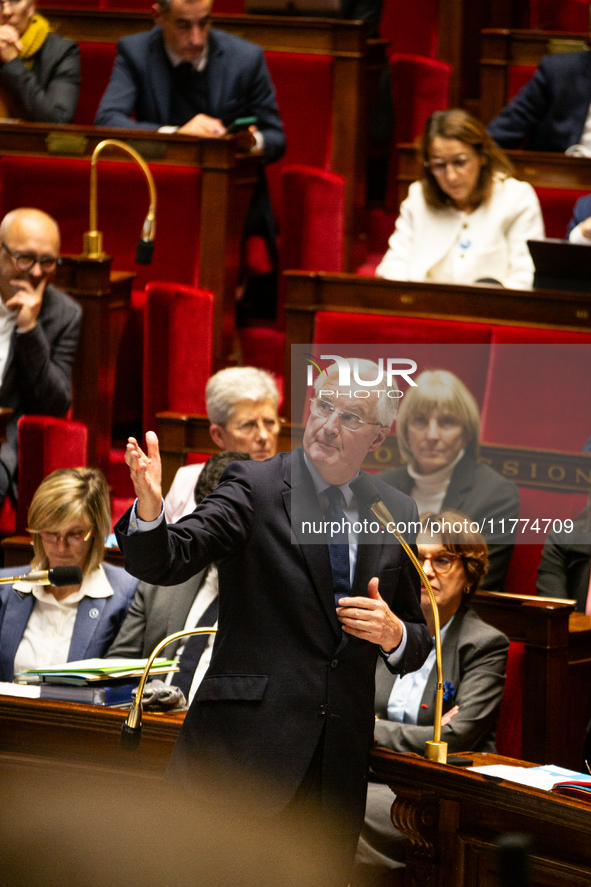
pixel 32 41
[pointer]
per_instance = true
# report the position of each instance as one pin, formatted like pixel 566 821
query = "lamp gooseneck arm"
pixel 93 239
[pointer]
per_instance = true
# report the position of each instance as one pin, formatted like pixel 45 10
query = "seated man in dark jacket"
pixel 39 71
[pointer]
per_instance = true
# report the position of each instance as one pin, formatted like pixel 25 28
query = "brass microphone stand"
pixel 131 729
pixel 435 749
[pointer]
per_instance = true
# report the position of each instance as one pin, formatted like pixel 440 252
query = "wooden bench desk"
pixel 452 817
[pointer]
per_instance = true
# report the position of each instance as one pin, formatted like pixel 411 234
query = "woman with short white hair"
pixel 242 405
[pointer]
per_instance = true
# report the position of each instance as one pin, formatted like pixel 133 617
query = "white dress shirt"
pixel 47 637
pixel 407 692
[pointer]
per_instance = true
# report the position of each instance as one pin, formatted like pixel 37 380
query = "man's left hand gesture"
pixel 371 618
pixel 26 302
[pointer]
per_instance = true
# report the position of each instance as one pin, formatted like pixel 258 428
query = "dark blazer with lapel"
pixel 474 659
pixel 91 636
pixel 239 86
pixel 581 212
pixel 565 568
pixel 482 494
pixel 156 612
pixel 238 80
pixel 48 93
pixel 282 671
pixel 551 109
pixel 38 374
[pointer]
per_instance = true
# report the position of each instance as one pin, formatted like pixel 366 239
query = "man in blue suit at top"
pixel 184 76
pixel 551 111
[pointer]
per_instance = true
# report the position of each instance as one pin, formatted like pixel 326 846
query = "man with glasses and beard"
pixel 39 328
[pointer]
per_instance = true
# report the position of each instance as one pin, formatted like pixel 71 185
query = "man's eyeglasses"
pixel 439 167
pixel 324 409
pixel 70 539
pixel 441 563
pixel 252 427
pixel 25 261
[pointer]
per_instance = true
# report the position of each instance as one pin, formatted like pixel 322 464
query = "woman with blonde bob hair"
pixel 69 519
pixel 438 429
pixel 467 220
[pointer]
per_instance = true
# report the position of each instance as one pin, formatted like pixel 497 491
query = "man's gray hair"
pixel 227 387
pixel 386 406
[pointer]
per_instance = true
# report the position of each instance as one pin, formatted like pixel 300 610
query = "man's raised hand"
pixel 146 475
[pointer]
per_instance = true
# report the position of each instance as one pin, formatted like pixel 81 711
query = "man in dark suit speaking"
pixel 187 77
pixel 288 696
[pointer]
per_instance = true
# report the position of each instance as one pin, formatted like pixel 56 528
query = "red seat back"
pixel 509 726
pixel 419 87
pixel 411 27
pixel 297 77
pixel 178 349
pixel 312 219
pixel 431 343
pixel 559 15
pixel 557 208
pixel 518 76
pixel 537 390
pixel 44 445
pixel 61 187
pixel 96 63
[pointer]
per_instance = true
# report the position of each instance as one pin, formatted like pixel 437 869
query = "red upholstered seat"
pixel 60 186
pixel 557 208
pixel 518 75
pixel 308 128
pixel 45 444
pixel 411 27
pixel 96 63
pixel 431 343
pixel 509 727
pixel 178 349
pixel 536 395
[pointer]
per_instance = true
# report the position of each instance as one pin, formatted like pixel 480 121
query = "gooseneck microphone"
pixel 57 576
pixel 366 494
pixel 131 728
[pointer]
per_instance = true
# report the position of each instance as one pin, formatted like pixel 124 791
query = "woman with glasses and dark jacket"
pixel 474 658
pixel 468 220
pixel 40 625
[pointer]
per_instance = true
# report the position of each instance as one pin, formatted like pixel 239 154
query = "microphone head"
pixel 130 737
pixel 60 576
pixel 144 251
pixel 364 490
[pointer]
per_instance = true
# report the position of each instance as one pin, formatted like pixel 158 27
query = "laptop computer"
pixel 561 265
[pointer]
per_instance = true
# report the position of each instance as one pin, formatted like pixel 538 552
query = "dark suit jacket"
pixel 483 495
pixel 155 613
pixel 38 374
pixel 282 672
pixel 581 212
pixel 565 568
pixel 238 78
pixel 551 109
pixel 474 659
pixel 91 636
pixel 48 93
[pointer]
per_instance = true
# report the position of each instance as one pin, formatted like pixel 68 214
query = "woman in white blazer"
pixel 467 220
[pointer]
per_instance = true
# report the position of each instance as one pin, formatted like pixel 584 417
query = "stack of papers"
pixel 91 671
pixel 544 778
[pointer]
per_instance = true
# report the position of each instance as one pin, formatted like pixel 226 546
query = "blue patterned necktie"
pixel 338 544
